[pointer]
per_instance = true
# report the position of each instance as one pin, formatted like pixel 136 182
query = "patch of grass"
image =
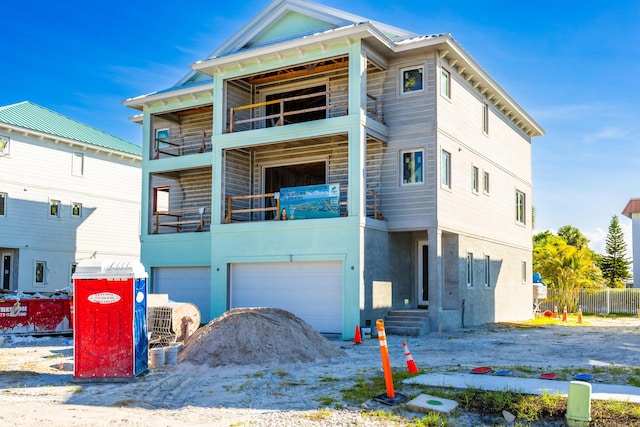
pixel 329 380
pixel 325 400
pixel 281 373
pixel 430 420
pixel 319 415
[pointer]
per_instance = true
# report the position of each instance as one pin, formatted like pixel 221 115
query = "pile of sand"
pixel 257 336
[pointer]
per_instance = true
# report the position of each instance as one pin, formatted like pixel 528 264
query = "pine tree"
pixel 615 264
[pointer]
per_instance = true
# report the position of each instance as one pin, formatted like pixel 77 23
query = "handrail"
pixel 230 199
pixel 282 114
pixel 178 215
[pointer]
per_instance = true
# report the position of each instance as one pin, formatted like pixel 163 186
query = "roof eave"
pixel 351 32
pixel 59 139
pixel 139 102
pixel 482 80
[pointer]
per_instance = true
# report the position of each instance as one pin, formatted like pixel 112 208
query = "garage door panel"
pixel 185 284
pixel 311 291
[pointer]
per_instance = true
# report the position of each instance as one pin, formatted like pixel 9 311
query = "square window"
pixel 485 183
pixel 3 204
pixel 521 204
pixel 412 166
pixel 162 136
pixel 412 80
pixel 76 209
pixel 40 273
pixel 445 169
pixel 4 145
pixel 475 179
pixel 445 83
pixel 54 208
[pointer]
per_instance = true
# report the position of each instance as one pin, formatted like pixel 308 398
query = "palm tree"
pixel 566 269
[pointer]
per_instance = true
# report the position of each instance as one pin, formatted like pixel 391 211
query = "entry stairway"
pixel 407 322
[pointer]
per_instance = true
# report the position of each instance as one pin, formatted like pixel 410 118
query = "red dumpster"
pixel 34 316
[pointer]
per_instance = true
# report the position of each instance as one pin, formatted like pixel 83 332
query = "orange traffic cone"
pixel 555 311
pixel 579 314
pixel 564 314
pixel 357 338
pixel 411 365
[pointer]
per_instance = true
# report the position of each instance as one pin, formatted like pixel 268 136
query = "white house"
pixel 423 161
pixel 632 211
pixel 67 192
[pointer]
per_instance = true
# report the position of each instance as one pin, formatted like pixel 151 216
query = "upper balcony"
pixel 302 93
pixel 181 133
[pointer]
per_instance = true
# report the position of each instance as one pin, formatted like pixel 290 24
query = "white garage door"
pixel 185 284
pixel 310 290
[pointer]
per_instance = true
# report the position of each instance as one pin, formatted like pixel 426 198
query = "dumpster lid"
pixel 95 268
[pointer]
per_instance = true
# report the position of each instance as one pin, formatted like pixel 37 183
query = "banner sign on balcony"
pixel 310 201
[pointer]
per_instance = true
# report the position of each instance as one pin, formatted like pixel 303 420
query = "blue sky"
pixel 573 65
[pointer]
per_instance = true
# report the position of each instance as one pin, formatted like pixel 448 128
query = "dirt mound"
pixel 257 336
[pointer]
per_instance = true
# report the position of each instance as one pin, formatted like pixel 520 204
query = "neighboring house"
pixel 430 157
pixel 632 210
pixel 67 192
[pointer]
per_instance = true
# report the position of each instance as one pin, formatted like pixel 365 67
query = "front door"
pixel 423 273
pixel 6 272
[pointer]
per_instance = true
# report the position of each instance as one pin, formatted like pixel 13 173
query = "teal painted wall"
pixel 290 241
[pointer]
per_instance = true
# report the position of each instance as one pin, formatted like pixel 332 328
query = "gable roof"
pixel 284 20
pixel 632 207
pixel 33 117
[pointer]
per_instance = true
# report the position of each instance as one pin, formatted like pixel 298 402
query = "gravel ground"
pixel 37 385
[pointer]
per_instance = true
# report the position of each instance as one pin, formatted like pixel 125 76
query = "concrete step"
pixel 407 322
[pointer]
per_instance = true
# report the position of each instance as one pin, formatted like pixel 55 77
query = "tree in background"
pixel 565 268
pixel 615 264
pixel 573 236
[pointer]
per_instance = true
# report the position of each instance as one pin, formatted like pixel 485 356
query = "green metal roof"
pixel 30 116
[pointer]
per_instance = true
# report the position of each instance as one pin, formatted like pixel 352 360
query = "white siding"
pixel 39 170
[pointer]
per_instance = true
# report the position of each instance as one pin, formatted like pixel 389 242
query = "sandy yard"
pixel 37 385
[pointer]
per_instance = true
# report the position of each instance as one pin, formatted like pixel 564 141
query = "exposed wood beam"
pixel 305 71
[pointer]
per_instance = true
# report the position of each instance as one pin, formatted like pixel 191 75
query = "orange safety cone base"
pixel 391 401
pixel 357 338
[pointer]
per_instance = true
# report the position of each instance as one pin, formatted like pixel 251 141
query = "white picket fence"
pixel 604 301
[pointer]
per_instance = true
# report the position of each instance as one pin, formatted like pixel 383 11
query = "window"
pixel 485 118
pixel 469 269
pixel 445 169
pixel 161 199
pixel 485 182
pixel 412 166
pixel 3 204
pixel 72 270
pixel 76 209
pixel 77 164
pixel 487 271
pixel 54 208
pixel 412 80
pixel 520 207
pixel 445 83
pixel 4 145
pixel 40 273
pixel 524 272
pixel 475 179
